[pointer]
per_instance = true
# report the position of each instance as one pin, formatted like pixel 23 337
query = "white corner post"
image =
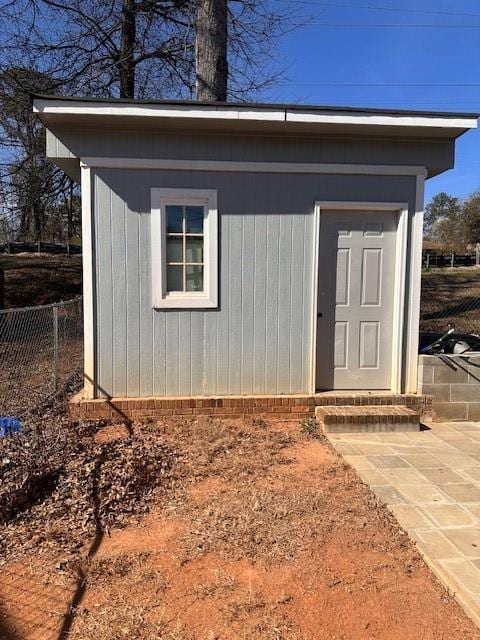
pixel 413 324
pixel 87 261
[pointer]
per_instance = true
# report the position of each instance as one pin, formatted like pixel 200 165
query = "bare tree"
pixel 146 48
pixel 31 185
pixel 125 48
pixel 211 50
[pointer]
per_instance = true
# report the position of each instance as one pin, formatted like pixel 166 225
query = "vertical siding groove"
pixel 242 309
pixel 260 304
pixel 290 310
pixel 139 284
pixel 266 306
pixel 127 299
pixel 254 285
pixel 178 351
pixel 279 290
pixel 112 363
pixel 303 307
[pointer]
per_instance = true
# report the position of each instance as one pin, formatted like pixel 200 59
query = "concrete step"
pixel 367 419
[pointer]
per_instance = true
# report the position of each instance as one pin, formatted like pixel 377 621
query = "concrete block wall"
pixel 454 384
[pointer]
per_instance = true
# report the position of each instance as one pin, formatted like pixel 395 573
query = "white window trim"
pixel 161 299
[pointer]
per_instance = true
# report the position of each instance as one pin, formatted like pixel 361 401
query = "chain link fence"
pixel 451 300
pixel 41 352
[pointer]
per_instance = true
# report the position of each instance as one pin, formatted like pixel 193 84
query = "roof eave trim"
pixel 263 114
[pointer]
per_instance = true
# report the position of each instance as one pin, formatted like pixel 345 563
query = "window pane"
pixel 174 278
pixel 194 219
pixel 194 249
pixel 174 218
pixel 194 278
pixel 174 249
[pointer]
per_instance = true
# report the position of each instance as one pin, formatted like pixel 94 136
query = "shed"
pixel 247 250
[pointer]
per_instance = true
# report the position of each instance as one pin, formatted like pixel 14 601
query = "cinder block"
pixel 474 411
pixel 425 373
pixel 465 393
pixel 450 411
pixel 474 376
pixel 439 392
pixel 453 374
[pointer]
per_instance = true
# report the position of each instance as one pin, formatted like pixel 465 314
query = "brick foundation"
pixel 277 406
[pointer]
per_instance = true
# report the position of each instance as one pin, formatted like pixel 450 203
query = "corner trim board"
pixel 415 288
pixel 88 286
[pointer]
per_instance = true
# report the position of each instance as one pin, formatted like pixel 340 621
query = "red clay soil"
pixel 296 550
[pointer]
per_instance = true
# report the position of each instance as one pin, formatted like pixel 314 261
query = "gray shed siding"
pixel 71 143
pixel 259 339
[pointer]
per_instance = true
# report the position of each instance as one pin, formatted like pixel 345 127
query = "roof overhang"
pixel 251 117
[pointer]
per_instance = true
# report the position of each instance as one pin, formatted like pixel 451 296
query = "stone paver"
pixel 448 515
pixel 463 492
pixel 430 480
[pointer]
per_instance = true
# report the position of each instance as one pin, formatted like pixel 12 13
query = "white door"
pixel 355 299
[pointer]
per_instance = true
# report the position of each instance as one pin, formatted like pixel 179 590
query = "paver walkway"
pixel 431 482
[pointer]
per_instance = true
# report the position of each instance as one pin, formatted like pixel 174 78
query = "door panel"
pixel 355 299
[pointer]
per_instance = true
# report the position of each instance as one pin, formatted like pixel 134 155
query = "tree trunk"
pixel 211 50
pixel 126 66
pixel 38 214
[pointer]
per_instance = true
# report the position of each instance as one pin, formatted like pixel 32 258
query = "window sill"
pixel 185 302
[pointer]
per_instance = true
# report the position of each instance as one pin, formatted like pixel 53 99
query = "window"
pixel 185 243
pixel 184 248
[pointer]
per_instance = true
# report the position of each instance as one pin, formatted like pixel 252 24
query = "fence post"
pixel 452 260
pixel 55 347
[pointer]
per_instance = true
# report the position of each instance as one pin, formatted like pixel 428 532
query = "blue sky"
pixel 318 55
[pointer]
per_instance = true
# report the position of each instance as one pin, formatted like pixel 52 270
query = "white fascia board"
pixel 49 107
pixel 72 108
pixel 381 120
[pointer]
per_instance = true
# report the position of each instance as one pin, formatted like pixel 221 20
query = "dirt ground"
pixel 268 535
pixel 40 279
pixel 450 297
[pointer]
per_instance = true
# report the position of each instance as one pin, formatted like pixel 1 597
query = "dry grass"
pixel 266 519
pixel 134 566
pixel 131 611
pixel 257 523
pixel 223 583
pixel 450 297
pixel 62 484
pixel 123 621
pixel 48 279
pixel 266 535
pixel 229 449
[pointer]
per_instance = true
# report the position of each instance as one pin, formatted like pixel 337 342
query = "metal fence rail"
pixel 40 247
pixel 41 349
